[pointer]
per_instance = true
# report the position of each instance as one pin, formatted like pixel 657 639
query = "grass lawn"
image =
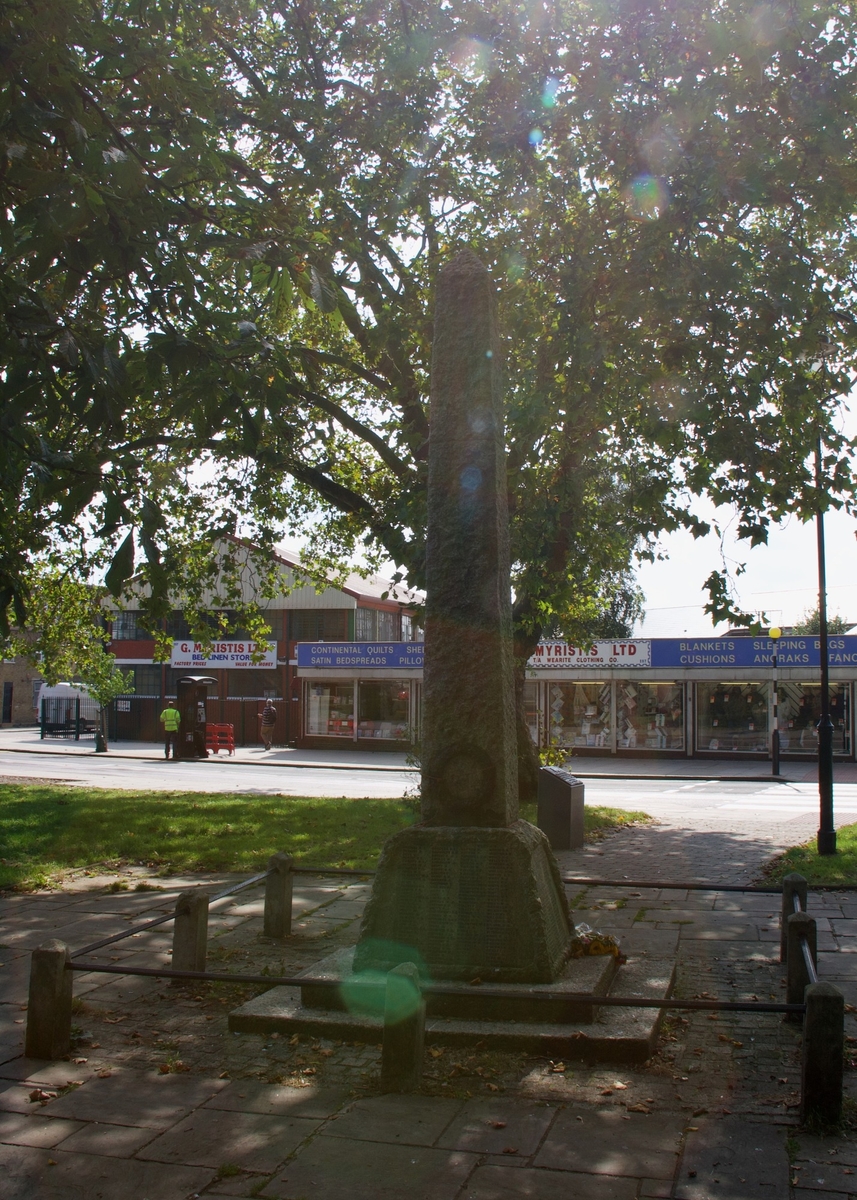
pixel 46 829
pixel 840 867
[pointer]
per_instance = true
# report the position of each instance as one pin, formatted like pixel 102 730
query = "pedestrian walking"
pixel 268 717
pixel 171 720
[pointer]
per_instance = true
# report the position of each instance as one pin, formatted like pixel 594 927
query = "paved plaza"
pixel 159 1101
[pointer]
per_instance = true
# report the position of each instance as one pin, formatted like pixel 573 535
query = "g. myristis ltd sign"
pixel 189 656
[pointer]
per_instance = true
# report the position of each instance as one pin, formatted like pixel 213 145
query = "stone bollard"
pixel 822 1057
pixel 49 1003
pixel 560 807
pixel 404 1031
pixel 278 896
pixel 792 884
pixel 190 933
pixel 797 977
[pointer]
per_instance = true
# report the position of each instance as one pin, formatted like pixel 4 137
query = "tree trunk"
pixel 101 731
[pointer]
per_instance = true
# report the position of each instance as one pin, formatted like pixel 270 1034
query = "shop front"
pixel 364 693
pixel 665 697
pixel 708 697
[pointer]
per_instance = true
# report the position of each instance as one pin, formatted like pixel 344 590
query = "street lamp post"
pixel 775 732
pixel 826 841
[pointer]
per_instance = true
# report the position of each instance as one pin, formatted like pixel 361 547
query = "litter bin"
pixel 192 694
pixel 560 808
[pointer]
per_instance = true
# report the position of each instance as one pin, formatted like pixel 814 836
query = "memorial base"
pixel 570 1027
pixel 468 902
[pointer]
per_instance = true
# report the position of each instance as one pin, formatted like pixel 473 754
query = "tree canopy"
pixel 221 226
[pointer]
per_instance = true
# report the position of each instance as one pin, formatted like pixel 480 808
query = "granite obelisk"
pixel 469 768
pixel 471 890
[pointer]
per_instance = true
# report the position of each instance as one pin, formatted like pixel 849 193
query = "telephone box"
pixel 192 695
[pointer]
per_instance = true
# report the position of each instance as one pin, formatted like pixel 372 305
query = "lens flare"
pixel 646 198
pixel 365 992
pixel 516 266
pixel 549 92
pixel 471 58
pixel 536 137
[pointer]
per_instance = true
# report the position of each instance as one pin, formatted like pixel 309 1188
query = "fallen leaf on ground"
pixel 497 1124
pixel 639 1108
pixel 510 1149
pixel 620 1087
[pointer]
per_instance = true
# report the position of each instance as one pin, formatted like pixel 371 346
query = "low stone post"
pixel 792 884
pixel 822 1058
pixel 278 896
pixel 49 1004
pixel 560 808
pixel 404 1031
pixel 798 926
pixel 190 932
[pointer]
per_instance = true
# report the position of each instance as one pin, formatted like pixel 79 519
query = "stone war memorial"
pixel 473 889
pixel 471 894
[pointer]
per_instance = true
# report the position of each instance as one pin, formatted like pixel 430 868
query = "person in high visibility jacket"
pixel 171 720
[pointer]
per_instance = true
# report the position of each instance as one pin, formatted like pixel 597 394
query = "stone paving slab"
pixel 498 1126
pixel 362 1170
pixel 411 1120
pixel 133 1098
pixel 211 1138
pixel 113 1141
pixel 499 1183
pixel 30 1174
pixel 611 1142
pixel 250 1096
pixel 733 1159
pixel 18 1129
pixel 47 1074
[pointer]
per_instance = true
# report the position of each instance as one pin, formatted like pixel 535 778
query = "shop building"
pixel 660 697
pixel 247 673
pixel 19 692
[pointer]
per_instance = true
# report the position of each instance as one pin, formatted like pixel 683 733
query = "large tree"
pixel 221 226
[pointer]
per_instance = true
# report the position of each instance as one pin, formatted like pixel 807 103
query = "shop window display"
pixel 580 714
pixel 383 709
pixel 799 710
pixel 650 716
pixel 732 717
pixel 330 710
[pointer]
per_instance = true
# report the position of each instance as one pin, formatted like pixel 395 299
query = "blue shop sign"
pixel 724 653
pixel 795 651
pixel 394 655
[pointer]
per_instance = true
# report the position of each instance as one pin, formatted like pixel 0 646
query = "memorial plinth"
pixel 470 891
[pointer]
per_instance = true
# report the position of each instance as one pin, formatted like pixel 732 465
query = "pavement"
pixel 159 1101
pixel 26 740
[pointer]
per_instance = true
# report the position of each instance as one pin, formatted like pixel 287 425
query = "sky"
pixel 781 578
